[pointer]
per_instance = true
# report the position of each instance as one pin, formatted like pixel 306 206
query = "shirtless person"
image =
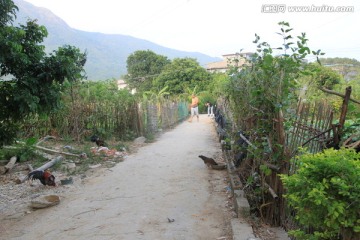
pixel 194 107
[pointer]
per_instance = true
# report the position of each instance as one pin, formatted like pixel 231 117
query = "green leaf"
pixel 31 141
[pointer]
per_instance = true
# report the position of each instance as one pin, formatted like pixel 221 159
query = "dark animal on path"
pixel 45 177
pixel 98 141
pixel 208 161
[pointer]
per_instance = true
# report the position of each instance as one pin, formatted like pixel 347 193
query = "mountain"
pixel 107 53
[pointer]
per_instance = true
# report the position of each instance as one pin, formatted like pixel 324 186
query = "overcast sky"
pixel 216 27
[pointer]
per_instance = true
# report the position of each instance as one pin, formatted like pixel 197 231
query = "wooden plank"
pixel 344 107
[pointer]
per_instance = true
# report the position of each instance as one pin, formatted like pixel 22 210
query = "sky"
pixel 218 27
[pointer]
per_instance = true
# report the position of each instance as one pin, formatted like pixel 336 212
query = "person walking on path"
pixel 210 109
pixel 194 107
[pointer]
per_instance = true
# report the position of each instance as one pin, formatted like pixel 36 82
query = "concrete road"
pixel 162 181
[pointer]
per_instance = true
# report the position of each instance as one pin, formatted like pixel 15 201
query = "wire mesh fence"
pixel 121 120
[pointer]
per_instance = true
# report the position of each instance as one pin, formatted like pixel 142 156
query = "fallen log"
pixel 51 163
pixel 46 166
pixel 10 164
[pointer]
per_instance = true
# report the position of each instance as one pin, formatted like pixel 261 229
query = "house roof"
pixel 238 54
pixel 217 65
pixel 226 62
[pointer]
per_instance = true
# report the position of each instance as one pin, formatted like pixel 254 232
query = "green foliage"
pixel 181 74
pixel 7 12
pixel 263 95
pixel 352 129
pixel 24 151
pixel 335 74
pixel 322 76
pixel 156 96
pixel 325 194
pixel 337 60
pixel 95 108
pixel 30 80
pixel 205 97
pixel 354 109
pixel 268 86
pixel 219 84
pixel 143 67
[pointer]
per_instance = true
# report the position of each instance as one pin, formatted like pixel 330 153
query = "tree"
pixel 322 77
pixel 181 74
pixel 30 80
pixel 348 68
pixel 142 67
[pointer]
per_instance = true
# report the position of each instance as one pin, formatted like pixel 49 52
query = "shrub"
pixel 325 193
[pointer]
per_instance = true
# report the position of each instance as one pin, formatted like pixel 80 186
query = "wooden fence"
pixel 311 127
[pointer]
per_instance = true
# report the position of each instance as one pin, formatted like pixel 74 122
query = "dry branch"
pixel 318 135
pixel 348 144
pixel 51 150
pixel 57 152
pixel 45 139
pixel 338 94
pixel 271 166
pixel 247 141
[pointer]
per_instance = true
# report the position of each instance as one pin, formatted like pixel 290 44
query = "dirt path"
pixel 134 200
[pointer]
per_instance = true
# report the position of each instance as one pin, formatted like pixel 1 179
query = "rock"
pixel 45 201
pixel 66 181
pixel 104 149
pixel 95 166
pixel 70 165
pixel 140 140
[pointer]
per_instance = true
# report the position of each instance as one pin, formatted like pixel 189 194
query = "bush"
pixel 325 194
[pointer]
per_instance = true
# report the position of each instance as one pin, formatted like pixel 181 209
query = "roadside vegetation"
pixel 312 192
pixel 308 191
